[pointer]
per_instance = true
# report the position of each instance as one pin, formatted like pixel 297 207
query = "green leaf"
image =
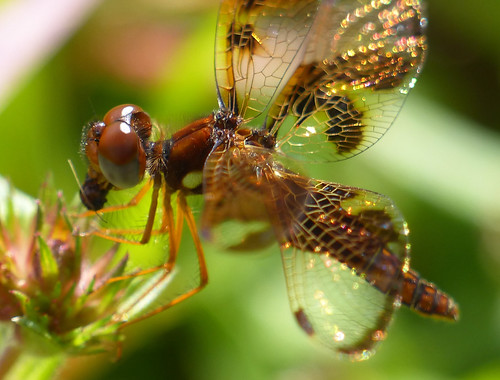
pixel 48 263
pixel 22 298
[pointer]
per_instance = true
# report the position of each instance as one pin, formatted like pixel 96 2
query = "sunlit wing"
pixel 362 58
pixel 332 304
pixel 346 260
pixel 344 257
pixel 258 46
pixel 336 75
pixel 344 248
pixel 234 214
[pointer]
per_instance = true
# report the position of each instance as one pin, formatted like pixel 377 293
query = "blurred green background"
pixel 440 163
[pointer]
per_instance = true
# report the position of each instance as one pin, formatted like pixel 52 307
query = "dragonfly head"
pixel 116 145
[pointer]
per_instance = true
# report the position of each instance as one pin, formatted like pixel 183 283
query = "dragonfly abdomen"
pixel 385 271
pixel 380 267
pixel 424 297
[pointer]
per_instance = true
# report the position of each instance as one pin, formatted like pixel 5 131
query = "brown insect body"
pixel 324 80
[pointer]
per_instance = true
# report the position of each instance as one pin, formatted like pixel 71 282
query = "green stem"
pixel 19 361
pixel 8 359
pixel 32 367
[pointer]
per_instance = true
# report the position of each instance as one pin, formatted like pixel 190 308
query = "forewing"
pixel 344 255
pixel 361 59
pixel 258 46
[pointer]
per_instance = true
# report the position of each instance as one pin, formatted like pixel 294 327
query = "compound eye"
pixel 122 159
pixel 122 112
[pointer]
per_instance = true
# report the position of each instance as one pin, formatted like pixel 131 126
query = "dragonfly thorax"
pixel 184 154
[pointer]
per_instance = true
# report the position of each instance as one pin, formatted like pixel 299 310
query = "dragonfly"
pixel 297 81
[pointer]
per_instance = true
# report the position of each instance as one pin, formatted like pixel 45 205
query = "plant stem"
pixel 18 362
pixel 8 358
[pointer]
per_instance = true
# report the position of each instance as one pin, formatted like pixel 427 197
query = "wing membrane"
pixel 332 304
pixel 344 249
pixel 335 72
pixel 234 215
pixel 361 60
pixel 258 46
pixel 344 254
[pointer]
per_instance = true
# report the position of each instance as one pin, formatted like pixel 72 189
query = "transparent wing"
pixel 361 59
pixel 258 46
pixel 234 215
pixel 344 253
pixel 334 305
pixel 344 249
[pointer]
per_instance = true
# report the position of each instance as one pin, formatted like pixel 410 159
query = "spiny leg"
pixel 113 234
pixel 185 213
pixel 167 224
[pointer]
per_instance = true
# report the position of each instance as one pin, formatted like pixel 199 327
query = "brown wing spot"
pixel 379 223
pixel 346 129
pixel 303 96
pixel 252 4
pixel 312 93
pixel 303 322
pixel 312 89
pixel 357 240
pixel 241 36
pixel 341 193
